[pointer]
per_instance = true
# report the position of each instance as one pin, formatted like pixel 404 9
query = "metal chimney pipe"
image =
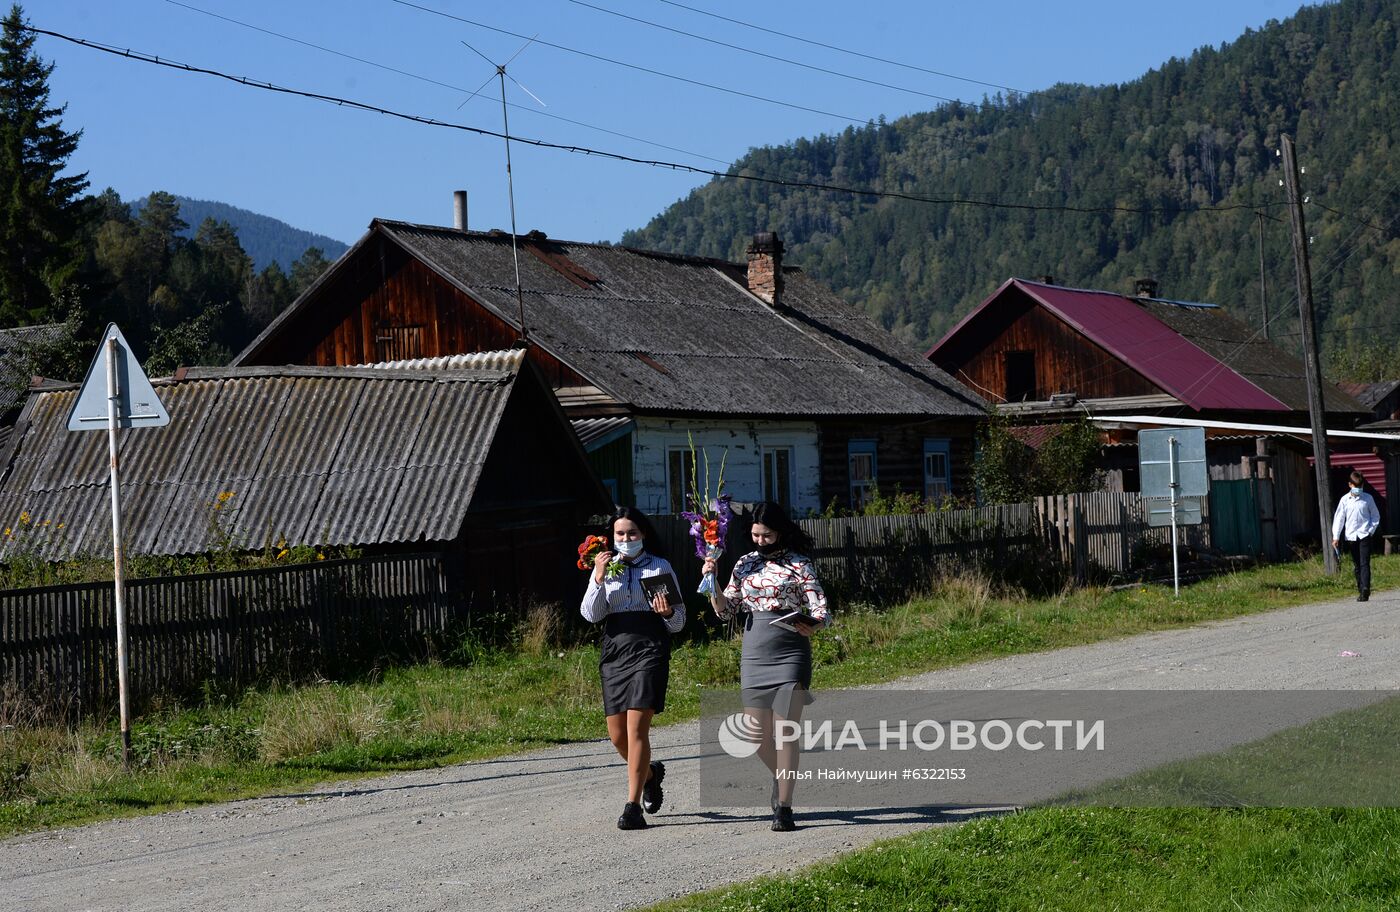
pixel 459 210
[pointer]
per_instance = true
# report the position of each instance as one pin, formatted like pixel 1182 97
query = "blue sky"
pixel 329 169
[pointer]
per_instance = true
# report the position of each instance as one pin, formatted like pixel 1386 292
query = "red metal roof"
pixel 1144 343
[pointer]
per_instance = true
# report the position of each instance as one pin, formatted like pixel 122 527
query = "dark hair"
pixel 790 534
pixel 653 544
pixel 1358 479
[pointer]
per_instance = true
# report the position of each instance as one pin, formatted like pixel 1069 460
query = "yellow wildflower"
pixel 320 556
pixel 7 531
pixel 24 517
pixel 283 553
pixel 224 496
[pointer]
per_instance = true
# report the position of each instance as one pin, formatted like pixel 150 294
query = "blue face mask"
pixel 628 549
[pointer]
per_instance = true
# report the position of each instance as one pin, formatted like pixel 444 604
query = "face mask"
pixel 769 550
pixel 1356 490
pixel 628 549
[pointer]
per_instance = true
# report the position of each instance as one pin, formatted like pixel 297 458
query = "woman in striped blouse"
pixel 636 653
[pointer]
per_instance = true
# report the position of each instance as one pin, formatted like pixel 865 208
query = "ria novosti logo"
pixel 739 735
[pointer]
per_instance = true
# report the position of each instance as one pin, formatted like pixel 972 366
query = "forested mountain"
pixel 1191 134
pixel 265 239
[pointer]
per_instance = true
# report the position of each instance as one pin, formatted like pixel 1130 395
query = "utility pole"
pixel 1263 289
pixel 1312 362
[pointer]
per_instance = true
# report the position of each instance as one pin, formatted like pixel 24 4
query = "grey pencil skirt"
pixel 775 670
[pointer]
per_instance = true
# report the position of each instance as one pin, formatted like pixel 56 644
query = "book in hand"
pixel 796 621
pixel 661 585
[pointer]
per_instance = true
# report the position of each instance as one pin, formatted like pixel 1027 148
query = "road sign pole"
pixel 1176 500
pixel 119 582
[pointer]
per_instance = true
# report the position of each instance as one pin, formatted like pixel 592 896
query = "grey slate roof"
pixel 318 456
pixel 670 334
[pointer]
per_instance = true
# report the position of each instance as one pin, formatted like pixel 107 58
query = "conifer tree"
pixel 40 208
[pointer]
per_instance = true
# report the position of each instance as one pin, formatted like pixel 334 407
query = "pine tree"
pixel 40 211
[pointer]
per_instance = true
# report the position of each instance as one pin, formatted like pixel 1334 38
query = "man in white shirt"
pixel 1355 521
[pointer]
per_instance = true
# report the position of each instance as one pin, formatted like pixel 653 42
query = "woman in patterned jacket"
pixel 776 667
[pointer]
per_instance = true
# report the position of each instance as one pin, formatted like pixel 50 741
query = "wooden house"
pixel 1046 353
pixel 807 400
pixel 474 460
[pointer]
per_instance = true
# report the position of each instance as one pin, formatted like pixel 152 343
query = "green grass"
pixel 1081 859
pixel 497 702
pixel 1106 850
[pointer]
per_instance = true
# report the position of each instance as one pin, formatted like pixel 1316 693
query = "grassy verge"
pixel 1163 859
pixel 1140 854
pixel 542 693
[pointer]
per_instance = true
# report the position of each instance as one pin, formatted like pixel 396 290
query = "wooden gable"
pixel 381 304
pixel 1018 351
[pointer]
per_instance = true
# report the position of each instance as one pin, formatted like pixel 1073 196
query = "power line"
pixel 445 85
pixel 618 156
pixel 767 56
pixel 832 47
pixel 637 67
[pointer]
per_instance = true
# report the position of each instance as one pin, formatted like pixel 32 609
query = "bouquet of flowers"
pixel 588 553
pixel 709 516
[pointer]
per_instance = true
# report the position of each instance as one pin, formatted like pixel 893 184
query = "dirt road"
pixel 537 831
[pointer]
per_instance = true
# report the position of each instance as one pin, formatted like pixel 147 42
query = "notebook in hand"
pixel 794 620
pixel 661 585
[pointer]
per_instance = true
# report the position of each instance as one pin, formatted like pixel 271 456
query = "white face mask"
pixel 628 549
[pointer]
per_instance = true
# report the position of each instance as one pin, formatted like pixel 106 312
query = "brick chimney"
pixel 766 267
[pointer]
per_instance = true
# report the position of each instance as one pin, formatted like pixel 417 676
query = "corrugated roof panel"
pixel 272 508
pixel 508 360
pixel 306 439
pixel 597 432
pixel 318 456
pixel 357 504
pixel 145 509
pixel 435 502
pixel 76 457
pixel 403 404
pixel 189 526
pixel 1154 349
pixel 159 455
pixel 460 425
pixel 234 440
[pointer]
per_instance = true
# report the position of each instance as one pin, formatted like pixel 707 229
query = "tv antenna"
pixel 502 75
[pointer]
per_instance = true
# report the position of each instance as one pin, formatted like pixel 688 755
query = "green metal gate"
pixel 1234 517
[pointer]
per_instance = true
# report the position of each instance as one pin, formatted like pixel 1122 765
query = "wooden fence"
pixel 58 643
pixel 880 558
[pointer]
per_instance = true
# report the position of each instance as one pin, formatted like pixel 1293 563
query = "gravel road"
pixel 537 831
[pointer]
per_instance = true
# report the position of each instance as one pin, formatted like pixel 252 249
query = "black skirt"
pixel 635 662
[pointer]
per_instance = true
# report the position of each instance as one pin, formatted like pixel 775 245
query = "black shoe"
pixel 652 794
pixel 782 820
pixel 632 818
pixel 1364 596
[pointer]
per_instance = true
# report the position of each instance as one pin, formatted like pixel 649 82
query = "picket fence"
pixel 58 643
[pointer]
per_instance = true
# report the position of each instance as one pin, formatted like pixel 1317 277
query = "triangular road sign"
pixel 137 403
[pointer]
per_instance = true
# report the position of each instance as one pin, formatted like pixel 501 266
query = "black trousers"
pixel 1360 552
